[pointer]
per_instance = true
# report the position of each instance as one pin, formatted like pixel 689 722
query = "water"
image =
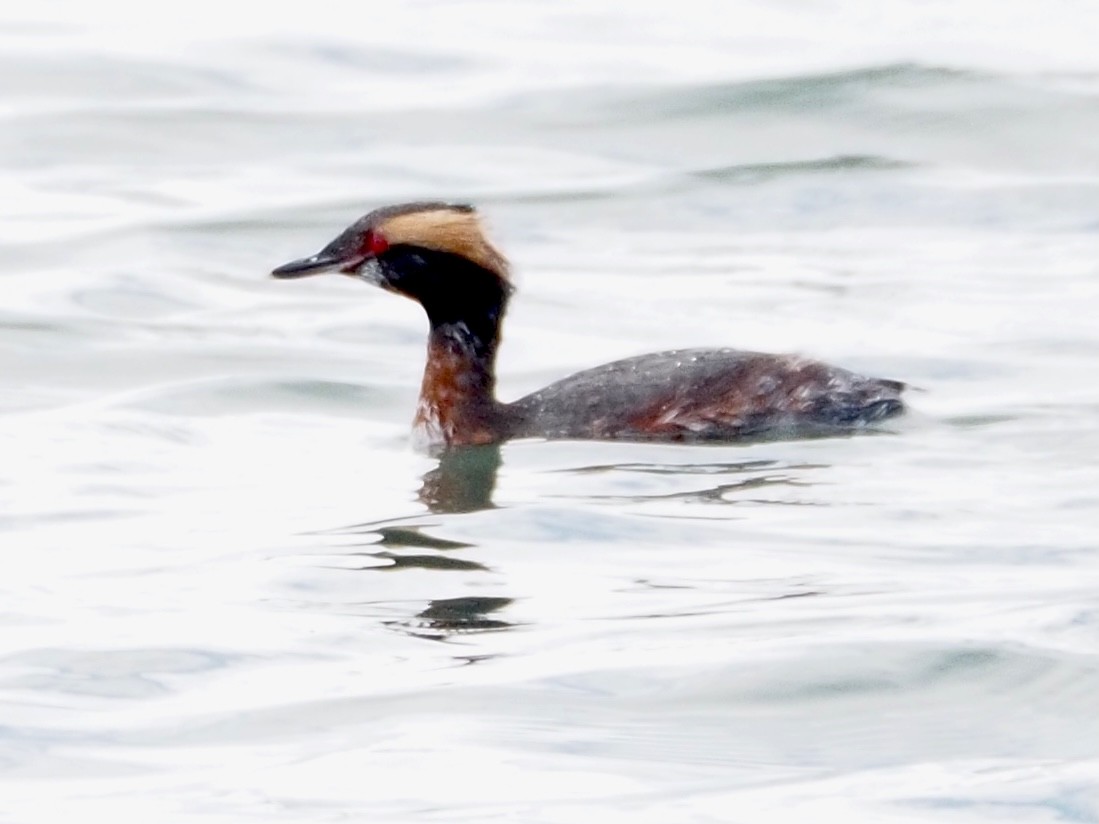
pixel 231 591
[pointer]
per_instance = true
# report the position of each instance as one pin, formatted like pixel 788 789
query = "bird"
pixel 439 255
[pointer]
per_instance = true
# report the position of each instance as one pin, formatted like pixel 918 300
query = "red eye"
pixel 374 243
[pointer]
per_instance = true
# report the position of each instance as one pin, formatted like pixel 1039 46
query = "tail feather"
pixel 873 401
pixel 881 409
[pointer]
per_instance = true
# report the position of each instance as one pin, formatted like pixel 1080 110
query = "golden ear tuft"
pixel 457 231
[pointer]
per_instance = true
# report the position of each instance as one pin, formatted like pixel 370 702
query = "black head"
pixel 392 246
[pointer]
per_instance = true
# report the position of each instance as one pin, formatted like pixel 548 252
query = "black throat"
pixel 465 305
pixel 453 290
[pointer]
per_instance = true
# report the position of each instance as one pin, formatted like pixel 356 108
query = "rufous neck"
pixel 458 403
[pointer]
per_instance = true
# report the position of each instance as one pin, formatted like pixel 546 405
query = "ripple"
pixel 131 300
pixel 810 91
pixel 121 674
pixel 228 396
pixel 375 60
pixel 757 172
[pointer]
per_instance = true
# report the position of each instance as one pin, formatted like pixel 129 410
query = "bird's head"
pixel 416 249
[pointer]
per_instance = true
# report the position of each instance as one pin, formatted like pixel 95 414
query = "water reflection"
pixel 411 535
pixel 722 468
pixel 439 562
pixel 750 475
pixel 446 616
pixel 717 494
pixel 460 483
pixel 463 481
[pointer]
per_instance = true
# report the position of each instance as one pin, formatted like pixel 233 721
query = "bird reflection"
pixel 463 480
pixel 460 483
pixel 450 615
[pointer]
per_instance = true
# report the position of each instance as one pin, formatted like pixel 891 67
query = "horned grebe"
pixel 437 254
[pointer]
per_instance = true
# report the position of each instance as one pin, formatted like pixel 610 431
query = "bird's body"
pixel 705 395
pixel 437 254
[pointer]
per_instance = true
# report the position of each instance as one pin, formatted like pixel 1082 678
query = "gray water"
pixel 230 589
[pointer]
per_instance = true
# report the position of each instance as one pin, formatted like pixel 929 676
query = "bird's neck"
pixel 458 403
